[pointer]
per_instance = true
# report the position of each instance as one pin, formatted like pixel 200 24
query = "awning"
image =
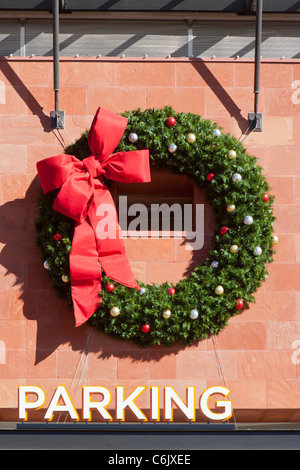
pixel 233 6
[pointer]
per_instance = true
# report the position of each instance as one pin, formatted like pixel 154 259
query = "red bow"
pixel 85 198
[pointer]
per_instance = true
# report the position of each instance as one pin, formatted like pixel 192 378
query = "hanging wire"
pixel 70 138
pixel 221 369
pixel 84 354
pixel 245 134
pixel 219 365
pixel 61 138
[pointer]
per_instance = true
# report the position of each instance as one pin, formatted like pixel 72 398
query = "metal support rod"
pixel 57 117
pixel 55 4
pixel 259 10
pixel 255 119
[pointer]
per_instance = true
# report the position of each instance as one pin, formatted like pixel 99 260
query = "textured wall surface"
pixel 39 344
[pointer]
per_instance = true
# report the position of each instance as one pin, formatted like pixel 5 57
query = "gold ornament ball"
pixel 65 278
pixel 166 314
pixel 234 248
pixel 191 138
pixel 115 311
pixel 275 239
pixel 232 154
pixel 219 290
pixel 231 208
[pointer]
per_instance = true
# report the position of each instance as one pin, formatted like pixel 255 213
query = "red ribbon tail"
pixel 90 254
pixel 117 267
pixel 86 300
pixel 85 272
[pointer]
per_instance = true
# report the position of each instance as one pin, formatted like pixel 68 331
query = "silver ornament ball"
pixel 172 148
pixel 217 132
pixel 46 265
pixel 133 137
pixel 194 314
pixel 214 264
pixel 248 220
pixel 257 251
pixel 237 178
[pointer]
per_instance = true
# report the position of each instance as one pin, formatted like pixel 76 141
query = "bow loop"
pixel 80 198
pixel 74 197
pixel 106 132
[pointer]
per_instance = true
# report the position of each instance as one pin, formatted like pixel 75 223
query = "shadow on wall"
pixel 25 94
pixel 212 82
pixel 23 274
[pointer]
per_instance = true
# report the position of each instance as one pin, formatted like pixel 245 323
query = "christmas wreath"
pixel 223 285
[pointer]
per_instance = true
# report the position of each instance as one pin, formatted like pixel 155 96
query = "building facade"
pixel 200 62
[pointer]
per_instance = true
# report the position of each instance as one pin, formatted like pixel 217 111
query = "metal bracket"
pixel 255 122
pixel 57 119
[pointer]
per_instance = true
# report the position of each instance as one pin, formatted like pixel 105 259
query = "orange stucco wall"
pixel 39 344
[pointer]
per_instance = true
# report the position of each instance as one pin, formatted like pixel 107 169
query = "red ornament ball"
pixel 171 291
pixel 224 230
pixel 109 287
pixel 239 304
pixel 145 328
pixel 171 121
pixel 210 176
pixel 265 197
pixel 57 236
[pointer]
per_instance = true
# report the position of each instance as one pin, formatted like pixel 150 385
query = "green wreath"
pixel 202 303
